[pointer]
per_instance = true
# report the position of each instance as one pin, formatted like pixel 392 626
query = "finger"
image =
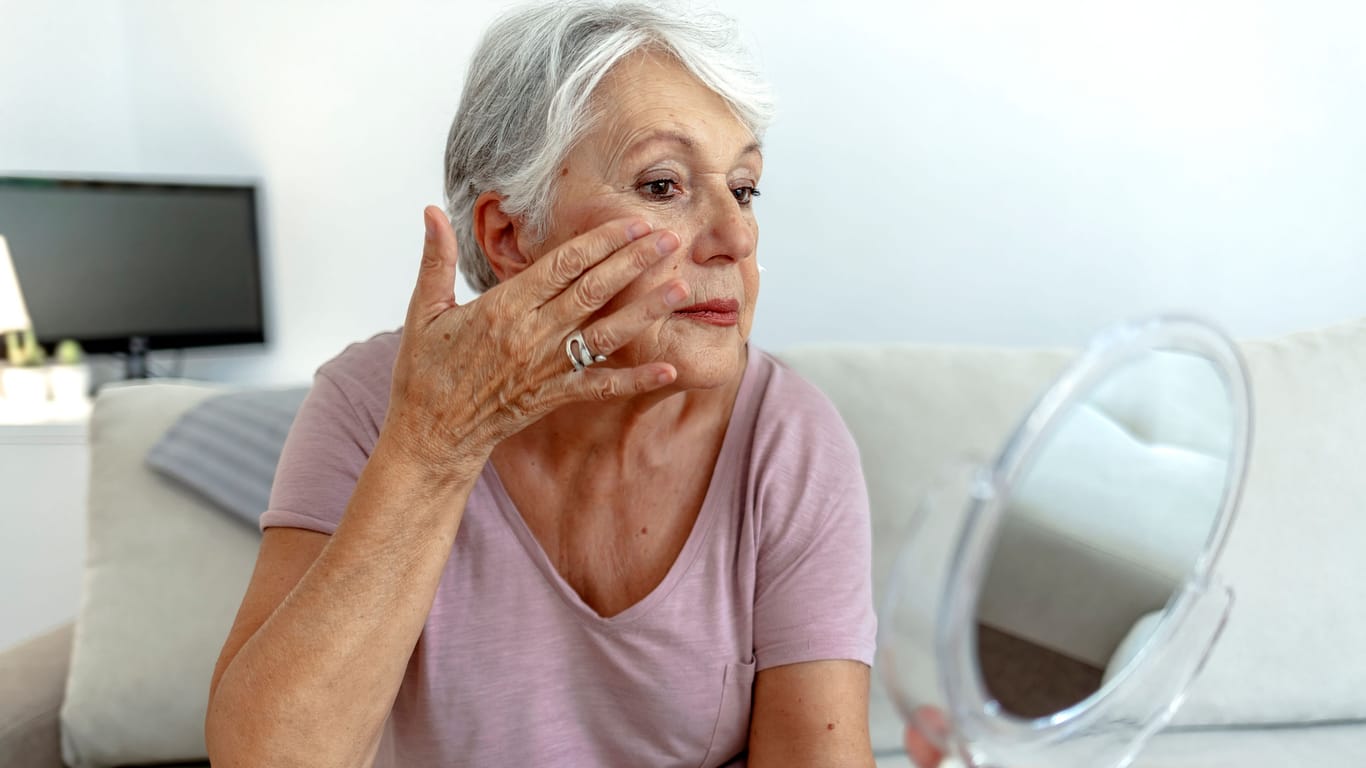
pixel 611 333
pixel 435 289
pixel 561 267
pixel 600 284
pixel 607 384
pixel 922 752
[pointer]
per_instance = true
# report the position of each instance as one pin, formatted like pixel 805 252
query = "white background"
pixel 955 172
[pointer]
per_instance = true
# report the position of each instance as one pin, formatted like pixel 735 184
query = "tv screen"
pixel 104 262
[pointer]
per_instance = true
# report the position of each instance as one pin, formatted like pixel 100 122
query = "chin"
pixel 708 367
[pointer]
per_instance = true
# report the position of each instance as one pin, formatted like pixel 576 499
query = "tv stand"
pixel 135 364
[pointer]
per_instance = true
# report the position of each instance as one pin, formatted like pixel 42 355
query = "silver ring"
pixel 579 353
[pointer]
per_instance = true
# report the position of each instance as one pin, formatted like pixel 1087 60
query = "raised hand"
pixel 469 375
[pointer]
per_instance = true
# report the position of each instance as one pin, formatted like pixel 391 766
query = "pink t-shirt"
pixel 514 669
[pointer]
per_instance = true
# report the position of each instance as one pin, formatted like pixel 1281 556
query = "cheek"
pixel 648 281
pixel 569 224
pixel 750 281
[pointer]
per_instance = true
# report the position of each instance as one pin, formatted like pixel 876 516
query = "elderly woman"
pixel 579 520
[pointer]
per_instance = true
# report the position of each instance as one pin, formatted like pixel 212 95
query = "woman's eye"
pixel 660 189
pixel 745 195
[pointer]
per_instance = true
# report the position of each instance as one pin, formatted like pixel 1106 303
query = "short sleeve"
pixel 327 447
pixel 813 586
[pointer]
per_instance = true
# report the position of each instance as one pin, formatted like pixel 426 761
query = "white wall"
pixel 64 87
pixel 986 172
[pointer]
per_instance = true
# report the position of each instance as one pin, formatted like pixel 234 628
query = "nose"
pixel 726 230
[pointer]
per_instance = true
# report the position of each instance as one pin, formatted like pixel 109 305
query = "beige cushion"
pixel 1292 649
pixel 165 572
pixel 1290 652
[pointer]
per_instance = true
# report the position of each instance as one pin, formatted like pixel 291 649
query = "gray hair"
pixel 527 100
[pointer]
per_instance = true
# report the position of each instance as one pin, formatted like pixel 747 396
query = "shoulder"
pixel 332 436
pixel 361 374
pixel 812 526
pixel 803 462
pixel 367 364
pixel 794 421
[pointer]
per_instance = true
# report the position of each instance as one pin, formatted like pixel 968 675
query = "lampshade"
pixel 13 312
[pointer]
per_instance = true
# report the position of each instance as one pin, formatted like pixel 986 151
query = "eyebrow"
pixel 682 139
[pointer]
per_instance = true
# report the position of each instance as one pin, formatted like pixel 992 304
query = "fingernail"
pixel 638 230
pixel 667 243
pixel 676 295
pixel 663 377
pixel 431 226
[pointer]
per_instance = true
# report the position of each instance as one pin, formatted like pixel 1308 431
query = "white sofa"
pixel 1287 686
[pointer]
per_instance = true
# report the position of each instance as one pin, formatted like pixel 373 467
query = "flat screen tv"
pixel 127 266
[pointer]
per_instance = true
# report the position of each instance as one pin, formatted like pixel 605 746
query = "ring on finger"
pixel 579 353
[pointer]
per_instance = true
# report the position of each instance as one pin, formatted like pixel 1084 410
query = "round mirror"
pixel 1101 529
pixel 1052 608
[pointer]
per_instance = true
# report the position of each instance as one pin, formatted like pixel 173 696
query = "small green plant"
pixel 68 352
pixel 21 347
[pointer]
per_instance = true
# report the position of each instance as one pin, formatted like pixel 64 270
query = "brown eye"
pixel 660 189
pixel 745 195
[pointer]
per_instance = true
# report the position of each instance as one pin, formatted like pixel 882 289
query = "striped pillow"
pixel 226 448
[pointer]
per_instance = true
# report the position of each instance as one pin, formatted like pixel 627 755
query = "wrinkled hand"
pixel 468 376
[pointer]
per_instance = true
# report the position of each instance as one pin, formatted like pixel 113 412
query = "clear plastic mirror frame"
pixel 927 641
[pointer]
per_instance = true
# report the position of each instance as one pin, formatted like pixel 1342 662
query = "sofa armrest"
pixel 32 683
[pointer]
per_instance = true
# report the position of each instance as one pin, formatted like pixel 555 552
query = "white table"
pixel 44 474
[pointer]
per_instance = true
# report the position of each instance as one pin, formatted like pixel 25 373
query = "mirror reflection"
pixel 1100 529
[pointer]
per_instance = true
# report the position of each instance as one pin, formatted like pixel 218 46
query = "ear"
pixel 499 235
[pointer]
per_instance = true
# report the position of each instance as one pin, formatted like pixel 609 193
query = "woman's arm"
pixel 811 714
pixel 319 648
pixel 814 624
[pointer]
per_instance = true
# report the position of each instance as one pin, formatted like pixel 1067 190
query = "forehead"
pixel 649 94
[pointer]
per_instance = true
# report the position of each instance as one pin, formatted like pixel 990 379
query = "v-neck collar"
pixel 717 500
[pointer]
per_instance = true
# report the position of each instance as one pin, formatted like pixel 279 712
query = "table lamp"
pixel 13 311
pixel 20 385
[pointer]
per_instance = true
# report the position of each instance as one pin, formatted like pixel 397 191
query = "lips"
pixel 722 312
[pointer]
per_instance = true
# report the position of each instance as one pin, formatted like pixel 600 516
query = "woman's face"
pixel 669 150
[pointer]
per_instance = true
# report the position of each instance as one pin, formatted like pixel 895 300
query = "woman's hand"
pixel 922 751
pixel 468 376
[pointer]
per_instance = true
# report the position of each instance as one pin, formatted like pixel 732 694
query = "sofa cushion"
pixel 165 572
pixel 1289 653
